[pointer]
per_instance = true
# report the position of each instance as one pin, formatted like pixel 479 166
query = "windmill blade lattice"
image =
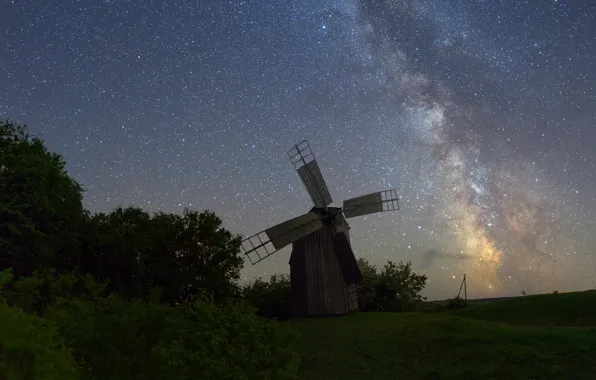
pixel 306 165
pixel 386 200
pixel 262 245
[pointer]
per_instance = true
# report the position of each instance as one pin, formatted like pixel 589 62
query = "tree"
pixel 395 288
pixel 399 287
pixel 43 225
pixel 272 298
pixel 115 246
pixel 40 205
pixel 208 255
pixel 181 254
pixel 366 289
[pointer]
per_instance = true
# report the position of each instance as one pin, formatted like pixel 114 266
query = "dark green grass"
pixel 576 309
pixel 445 345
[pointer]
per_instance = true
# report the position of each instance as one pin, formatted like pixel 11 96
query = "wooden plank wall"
pixel 343 226
pixel 298 283
pixel 318 287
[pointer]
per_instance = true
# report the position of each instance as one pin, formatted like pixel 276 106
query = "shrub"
pixel 403 285
pixel 118 339
pixel 272 298
pixel 432 307
pixel 31 349
pixel 366 289
pixel 456 303
pixel 396 288
pixel 6 277
pixel 35 293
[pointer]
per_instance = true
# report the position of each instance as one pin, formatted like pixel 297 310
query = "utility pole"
pixel 463 286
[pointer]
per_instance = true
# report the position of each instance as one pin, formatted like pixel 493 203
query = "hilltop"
pixel 573 309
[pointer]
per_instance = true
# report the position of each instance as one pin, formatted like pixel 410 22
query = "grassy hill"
pixel 473 343
pixel 575 309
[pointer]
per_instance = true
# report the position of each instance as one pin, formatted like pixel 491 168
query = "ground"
pixel 532 337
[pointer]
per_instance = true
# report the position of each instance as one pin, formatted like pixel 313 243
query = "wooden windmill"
pixel 323 270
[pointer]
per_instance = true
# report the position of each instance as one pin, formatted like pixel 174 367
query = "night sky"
pixel 482 114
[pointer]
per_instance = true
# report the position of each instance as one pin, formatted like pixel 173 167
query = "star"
pixel 480 115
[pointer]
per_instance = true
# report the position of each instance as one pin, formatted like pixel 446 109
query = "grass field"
pixel 523 338
pixel 576 309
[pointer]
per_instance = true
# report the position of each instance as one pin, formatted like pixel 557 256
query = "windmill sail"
pixel 265 243
pixel 305 164
pixel 386 200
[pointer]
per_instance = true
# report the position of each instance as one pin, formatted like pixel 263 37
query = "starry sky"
pixel 480 113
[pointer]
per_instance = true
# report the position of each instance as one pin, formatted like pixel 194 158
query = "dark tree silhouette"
pixel 181 254
pixel 43 225
pixel 40 205
pixel 395 288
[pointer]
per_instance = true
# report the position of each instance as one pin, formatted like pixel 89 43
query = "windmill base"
pixel 317 284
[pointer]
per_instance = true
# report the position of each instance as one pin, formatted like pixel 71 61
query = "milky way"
pixel 481 115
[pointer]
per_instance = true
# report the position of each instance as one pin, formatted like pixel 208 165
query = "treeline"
pixel 128 294
pixel 44 225
pixel 395 288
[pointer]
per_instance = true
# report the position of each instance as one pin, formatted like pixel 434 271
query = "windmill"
pixel 323 269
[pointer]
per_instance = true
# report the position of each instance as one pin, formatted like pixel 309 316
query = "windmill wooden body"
pixel 323 269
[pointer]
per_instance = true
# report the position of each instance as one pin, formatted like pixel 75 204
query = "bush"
pixel 31 349
pixel 117 339
pixel 396 288
pixel 35 293
pixel 272 298
pixel 456 303
pixel 366 289
pixel 6 277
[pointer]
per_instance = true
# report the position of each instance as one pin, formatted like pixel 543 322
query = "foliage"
pixel 119 339
pixel 31 349
pixel 432 307
pixel 59 261
pixel 396 288
pixel 441 346
pixel 35 293
pixel 6 277
pixel 366 289
pixel 40 205
pixel 181 254
pixel 43 225
pixel 270 298
pixel 456 303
